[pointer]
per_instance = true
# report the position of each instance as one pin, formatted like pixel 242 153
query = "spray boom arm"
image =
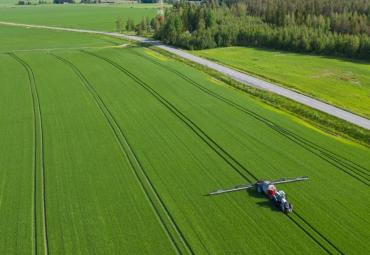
pixel 253 185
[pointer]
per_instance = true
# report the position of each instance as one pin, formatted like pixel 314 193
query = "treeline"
pixel 341 16
pixel 314 26
pixel 63 1
pixel 27 2
pixel 146 26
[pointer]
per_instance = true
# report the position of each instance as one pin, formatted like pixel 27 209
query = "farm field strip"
pixel 43 40
pixel 188 122
pixel 269 123
pixel 16 160
pixel 130 141
pixel 40 222
pixel 163 214
pixel 307 228
pixel 72 48
pixel 351 168
pixel 170 177
pixel 318 237
pixel 56 217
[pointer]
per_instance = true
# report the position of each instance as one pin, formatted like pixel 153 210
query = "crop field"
pixel 7 2
pixel 41 40
pixel 329 79
pixel 99 17
pixel 108 150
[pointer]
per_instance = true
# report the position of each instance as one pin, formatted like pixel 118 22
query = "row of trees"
pixel 63 1
pixel 27 2
pixel 213 25
pixel 144 27
pixel 335 15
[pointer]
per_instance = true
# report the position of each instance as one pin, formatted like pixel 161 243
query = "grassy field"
pixel 99 17
pixel 42 40
pixel 111 150
pixel 8 2
pixel 341 82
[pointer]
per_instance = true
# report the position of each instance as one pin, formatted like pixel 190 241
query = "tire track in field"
pixel 163 214
pixel 343 160
pixel 228 158
pixel 246 174
pixel 39 190
pixel 347 166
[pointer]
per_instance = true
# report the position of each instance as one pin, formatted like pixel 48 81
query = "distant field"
pixel 41 39
pixel 99 17
pixel 8 2
pixel 341 82
pixel 110 151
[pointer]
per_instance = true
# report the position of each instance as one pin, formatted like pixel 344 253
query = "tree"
pixel 130 25
pixel 119 25
pixel 155 24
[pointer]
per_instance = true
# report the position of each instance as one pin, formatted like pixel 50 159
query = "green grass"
pixel 16 159
pixel 98 17
pixel 19 39
pixel 323 121
pixel 341 82
pixel 132 140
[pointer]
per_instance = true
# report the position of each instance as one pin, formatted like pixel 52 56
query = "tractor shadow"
pixel 264 204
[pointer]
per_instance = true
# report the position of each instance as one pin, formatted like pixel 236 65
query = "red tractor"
pixel 269 189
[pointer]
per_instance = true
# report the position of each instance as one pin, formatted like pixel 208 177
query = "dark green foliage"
pixel 130 25
pixel 274 24
pixel 119 25
pixel 63 1
pixel 24 2
pixel 145 26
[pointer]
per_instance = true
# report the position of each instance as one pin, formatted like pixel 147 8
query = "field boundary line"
pixel 343 164
pixel 142 177
pixel 39 163
pixel 228 158
pixel 70 48
pixel 244 78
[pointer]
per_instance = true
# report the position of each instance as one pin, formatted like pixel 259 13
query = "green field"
pixel 7 2
pixel 98 17
pixel 341 82
pixel 111 151
pixel 41 40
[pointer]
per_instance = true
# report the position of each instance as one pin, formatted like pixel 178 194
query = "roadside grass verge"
pixel 326 122
pixel 342 82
